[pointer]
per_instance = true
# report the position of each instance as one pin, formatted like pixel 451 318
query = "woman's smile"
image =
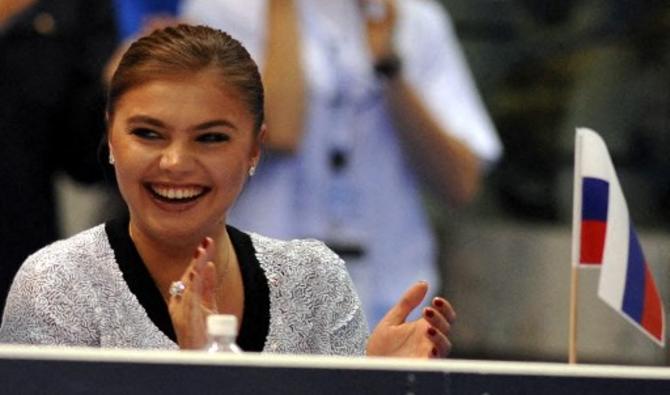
pixel 176 194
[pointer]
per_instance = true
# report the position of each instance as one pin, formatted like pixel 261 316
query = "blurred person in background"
pixel 51 106
pixel 365 101
pixel 136 18
pixel 133 15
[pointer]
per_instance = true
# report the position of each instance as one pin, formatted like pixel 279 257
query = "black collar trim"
pixel 256 315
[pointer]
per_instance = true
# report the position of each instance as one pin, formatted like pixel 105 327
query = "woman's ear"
pixel 112 161
pixel 259 140
pixel 256 149
pixel 262 133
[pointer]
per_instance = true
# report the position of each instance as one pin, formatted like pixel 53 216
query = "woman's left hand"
pixel 425 337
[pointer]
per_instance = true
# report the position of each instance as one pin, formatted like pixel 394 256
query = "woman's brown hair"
pixel 186 49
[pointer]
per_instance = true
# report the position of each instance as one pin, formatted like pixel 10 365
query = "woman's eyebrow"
pixel 202 126
pixel 214 123
pixel 146 119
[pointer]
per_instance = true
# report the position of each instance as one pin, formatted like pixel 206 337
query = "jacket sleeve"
pixel 44 307
pixel 348 329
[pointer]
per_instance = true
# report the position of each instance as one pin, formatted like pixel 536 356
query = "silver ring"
pixel 177 288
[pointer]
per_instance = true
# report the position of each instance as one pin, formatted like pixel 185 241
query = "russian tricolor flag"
pixel 604 237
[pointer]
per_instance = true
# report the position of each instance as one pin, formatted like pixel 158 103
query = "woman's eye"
pixel 212 138
pixel 145 133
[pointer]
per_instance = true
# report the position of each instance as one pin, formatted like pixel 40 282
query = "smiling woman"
pixel 170 155
pixel 185 127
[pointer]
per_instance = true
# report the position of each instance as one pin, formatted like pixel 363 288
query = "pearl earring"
pixel 111 158
pixel 252 170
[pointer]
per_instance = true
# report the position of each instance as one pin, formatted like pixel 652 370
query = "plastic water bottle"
pixel 221 333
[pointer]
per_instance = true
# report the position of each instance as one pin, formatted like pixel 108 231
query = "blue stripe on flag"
pixel 633 297
pixel 595 193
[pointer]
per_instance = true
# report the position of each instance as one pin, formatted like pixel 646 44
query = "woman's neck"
pixel 167 260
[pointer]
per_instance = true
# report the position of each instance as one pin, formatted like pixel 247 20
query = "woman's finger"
pixel 435 319
pixel 408 302
pixel 203 254
pixel 445 308
pixel 441 343
pixel 208 247
pixel 208 290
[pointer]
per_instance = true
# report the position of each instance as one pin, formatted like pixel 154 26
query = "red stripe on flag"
pixel 592 242
pixel 652 313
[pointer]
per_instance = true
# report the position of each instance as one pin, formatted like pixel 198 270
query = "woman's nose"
pixel 176 158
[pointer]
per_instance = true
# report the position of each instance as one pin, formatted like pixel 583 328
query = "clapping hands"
pixel 426 337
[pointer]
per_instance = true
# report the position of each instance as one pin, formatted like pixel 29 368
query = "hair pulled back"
pixel 185 49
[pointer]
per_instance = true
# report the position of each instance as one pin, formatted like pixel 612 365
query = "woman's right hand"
pixel 189 310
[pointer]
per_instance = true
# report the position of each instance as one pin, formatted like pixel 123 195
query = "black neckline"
pixel 256 315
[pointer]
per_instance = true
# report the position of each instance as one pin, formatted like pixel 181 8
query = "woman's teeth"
pixel 177 193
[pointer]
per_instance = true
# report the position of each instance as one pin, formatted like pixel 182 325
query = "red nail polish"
pixel 439 302
pixel 196 255
pixel 205 242
pixel 430 313
pixel 434 351
pixel 432 332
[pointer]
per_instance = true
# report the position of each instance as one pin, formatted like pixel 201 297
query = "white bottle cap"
pixel 222 325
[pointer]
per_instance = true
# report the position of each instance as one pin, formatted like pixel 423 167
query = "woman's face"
pixel 183 148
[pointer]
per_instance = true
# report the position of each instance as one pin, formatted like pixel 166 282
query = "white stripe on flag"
pixel 612 281
pixel 595 159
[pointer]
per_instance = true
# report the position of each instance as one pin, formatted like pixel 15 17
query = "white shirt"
pixel 375 201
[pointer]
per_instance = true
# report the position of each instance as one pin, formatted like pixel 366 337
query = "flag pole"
pixel 574 265
pixel 572 343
